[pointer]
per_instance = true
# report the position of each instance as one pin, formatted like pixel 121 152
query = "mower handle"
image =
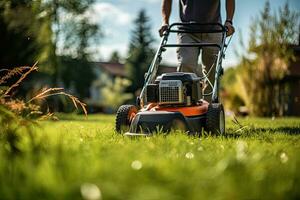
pixel 186 27
pixel 193 45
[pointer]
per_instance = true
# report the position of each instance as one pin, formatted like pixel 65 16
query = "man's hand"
pixel 230 28
pixel 162 29
pixel 230 8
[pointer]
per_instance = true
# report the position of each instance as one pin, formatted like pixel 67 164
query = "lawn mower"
pixel 175 101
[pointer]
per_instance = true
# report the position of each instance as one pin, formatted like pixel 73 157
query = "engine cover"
pixel 175 88
pixel 171 92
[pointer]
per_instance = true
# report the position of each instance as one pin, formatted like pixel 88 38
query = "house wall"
pixel 295 98
pixel 294 104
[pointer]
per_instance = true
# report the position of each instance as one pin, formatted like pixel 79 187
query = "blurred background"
pixel 99 51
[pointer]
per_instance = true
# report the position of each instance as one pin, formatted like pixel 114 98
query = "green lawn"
pixel 75 158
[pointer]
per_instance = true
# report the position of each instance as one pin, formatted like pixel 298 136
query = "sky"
pixel 116 19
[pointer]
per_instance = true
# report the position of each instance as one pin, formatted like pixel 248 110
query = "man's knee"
pixel 209 57
pixel 188 60
pixel 186 67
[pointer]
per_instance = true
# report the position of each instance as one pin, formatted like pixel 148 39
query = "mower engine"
pixel 178 88
pixel 174 101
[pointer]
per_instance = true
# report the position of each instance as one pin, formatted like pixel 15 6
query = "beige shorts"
pixel 189 59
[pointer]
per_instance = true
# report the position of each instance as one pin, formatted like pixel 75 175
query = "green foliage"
pixel 55 33
pixel 17 134
pixel 114 94
pixel 18 117
pixel 260 161
pixel 266 61
pixel 78 35
pixel 232 93
pixel 73 34
pixel 77 75
pixel 20 29
pixel 140 52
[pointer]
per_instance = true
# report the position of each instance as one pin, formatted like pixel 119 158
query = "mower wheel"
pixel 125 115
pixel 215 120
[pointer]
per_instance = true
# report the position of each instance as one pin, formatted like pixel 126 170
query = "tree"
pixel 56 33
pixel 140 52
pixel 25 38
pixel 269 47
pixel 75 33
pixel 115 57
pixel 19 30
pixel 77 75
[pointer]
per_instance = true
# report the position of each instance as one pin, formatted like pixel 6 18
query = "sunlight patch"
pixel 222 147
pixel 136 165
pixel 283 157
pixel 241 147
pixel 90 191
pixel 200 148
pixel 189 155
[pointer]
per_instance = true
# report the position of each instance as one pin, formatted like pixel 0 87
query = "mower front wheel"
pixel 125 115
pixel 215 119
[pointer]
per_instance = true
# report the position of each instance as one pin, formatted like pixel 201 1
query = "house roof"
pixel 118 69
pixel 112 68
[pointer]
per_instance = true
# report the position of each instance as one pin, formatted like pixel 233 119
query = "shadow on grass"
pixel 232 133
pixel 280 130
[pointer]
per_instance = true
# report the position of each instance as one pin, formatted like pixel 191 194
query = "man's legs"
pixel 209 58
pixel 188 56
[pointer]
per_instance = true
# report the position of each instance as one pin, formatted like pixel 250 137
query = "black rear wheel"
pixel 215 120
pixel 124 117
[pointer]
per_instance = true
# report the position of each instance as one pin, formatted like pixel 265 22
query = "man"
pixel 201 11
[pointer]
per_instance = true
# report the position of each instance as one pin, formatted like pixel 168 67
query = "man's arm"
pixel 230 8
pixel 166 12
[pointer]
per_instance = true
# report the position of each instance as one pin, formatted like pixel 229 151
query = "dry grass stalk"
pixel 33 68
pixel 19 106
pixel 45 91
pixel 236 122
pixel 48 116
pixel 59 91
pixel 12 72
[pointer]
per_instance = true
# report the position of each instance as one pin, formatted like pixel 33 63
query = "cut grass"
pixel 261 161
